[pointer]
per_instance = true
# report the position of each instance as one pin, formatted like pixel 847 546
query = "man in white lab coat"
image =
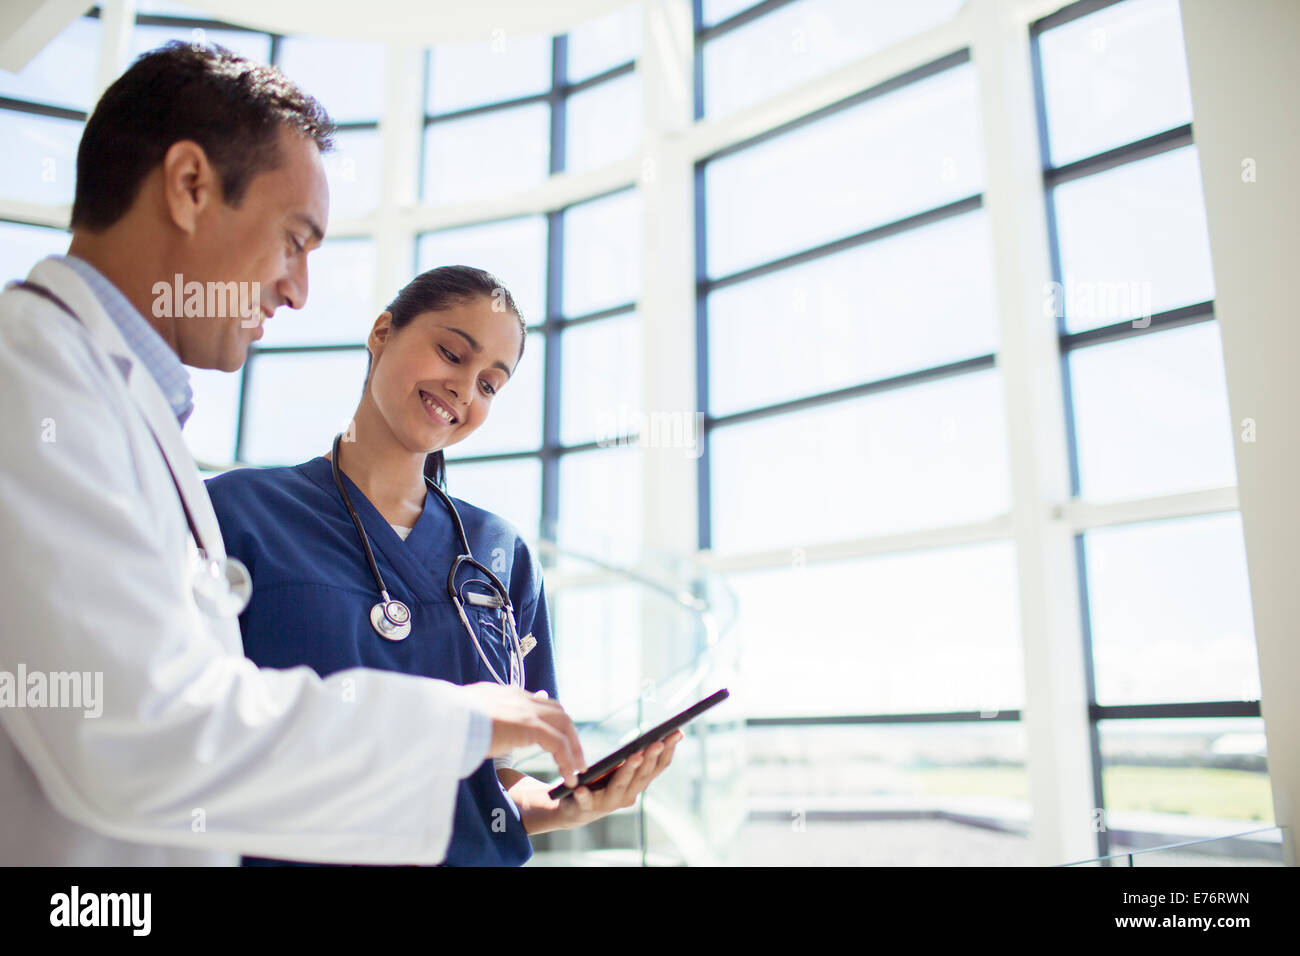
pixel 196 167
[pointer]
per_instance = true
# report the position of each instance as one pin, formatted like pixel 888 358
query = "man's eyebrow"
pixel 311 224
pixel 473 343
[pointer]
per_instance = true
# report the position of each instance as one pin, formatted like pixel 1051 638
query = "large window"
pixel 840 364
pixel 749 52
pixel 847 298
pixel 850 376
pixel 43 109
pixel 1167 616
pixel 502 117
pixel 851 391
pixel 496 120
pixel 575 273
pixel 302 381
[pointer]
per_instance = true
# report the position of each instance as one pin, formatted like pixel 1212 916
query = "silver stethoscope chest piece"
pixel 222 587
pixel 391 620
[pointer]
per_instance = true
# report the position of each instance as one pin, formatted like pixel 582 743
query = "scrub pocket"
pixel 489 626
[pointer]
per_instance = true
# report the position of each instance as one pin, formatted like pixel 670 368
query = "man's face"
pixel 261 245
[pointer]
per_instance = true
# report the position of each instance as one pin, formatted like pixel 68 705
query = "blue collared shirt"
pixel 158 357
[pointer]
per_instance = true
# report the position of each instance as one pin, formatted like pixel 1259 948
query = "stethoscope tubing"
pixel 394 618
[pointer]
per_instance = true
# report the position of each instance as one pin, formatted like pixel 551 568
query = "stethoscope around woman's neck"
pixel 391 619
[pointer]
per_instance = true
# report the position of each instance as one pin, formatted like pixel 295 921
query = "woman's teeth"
pixel 431 404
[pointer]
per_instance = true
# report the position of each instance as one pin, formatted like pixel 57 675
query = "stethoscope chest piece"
pixel 391 620
pixel 222 586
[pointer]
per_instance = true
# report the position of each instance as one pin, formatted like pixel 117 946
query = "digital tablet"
pixel 598 774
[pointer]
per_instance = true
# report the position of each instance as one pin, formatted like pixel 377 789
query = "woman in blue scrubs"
pixel 439 354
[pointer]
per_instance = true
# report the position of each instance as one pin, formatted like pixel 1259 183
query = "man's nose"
pixel 293 288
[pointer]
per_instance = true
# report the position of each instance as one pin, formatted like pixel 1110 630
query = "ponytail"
pixel 435 468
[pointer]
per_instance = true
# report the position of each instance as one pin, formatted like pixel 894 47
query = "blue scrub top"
pixel 313 591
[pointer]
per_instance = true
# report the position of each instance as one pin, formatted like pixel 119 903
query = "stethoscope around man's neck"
pixel 391 619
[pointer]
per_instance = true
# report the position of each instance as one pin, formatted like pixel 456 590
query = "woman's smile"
pixel 437 409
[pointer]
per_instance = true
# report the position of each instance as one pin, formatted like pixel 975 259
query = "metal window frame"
pixel 560 90
pixel 738 19
pixel 553 323
pixel 1162 141
pixel 704 284
pixel 33 108
pixel 1068 341
pixel 145 20
pixel 1011 715
pixel 704 34
pixel 551 380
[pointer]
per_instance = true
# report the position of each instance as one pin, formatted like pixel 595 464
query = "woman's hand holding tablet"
pixel 591 779
pixel 610 784
pixel 618 788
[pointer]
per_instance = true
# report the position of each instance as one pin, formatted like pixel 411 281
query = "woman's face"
pixel 451 361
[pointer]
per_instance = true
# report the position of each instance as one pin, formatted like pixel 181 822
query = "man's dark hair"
pixel 230 106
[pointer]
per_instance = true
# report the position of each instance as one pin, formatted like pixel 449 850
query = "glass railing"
pixel 678 618
pixel 1261 847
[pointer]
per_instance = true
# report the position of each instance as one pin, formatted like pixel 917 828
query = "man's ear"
pixel 190 184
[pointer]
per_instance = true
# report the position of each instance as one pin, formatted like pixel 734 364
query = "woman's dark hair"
pixel 229 105
pixel 443 288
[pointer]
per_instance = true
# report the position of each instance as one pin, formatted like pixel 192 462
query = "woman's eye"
pixel 452 358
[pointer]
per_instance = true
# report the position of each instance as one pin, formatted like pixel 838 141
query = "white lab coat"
pixel 198 754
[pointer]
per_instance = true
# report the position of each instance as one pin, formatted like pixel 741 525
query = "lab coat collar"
pixel 64 282
pixel 150 348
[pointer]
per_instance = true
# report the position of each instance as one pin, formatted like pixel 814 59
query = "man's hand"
pixel 520 719
pixel 540 813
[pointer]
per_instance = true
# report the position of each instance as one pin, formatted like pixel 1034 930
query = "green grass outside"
pixel 1198 791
